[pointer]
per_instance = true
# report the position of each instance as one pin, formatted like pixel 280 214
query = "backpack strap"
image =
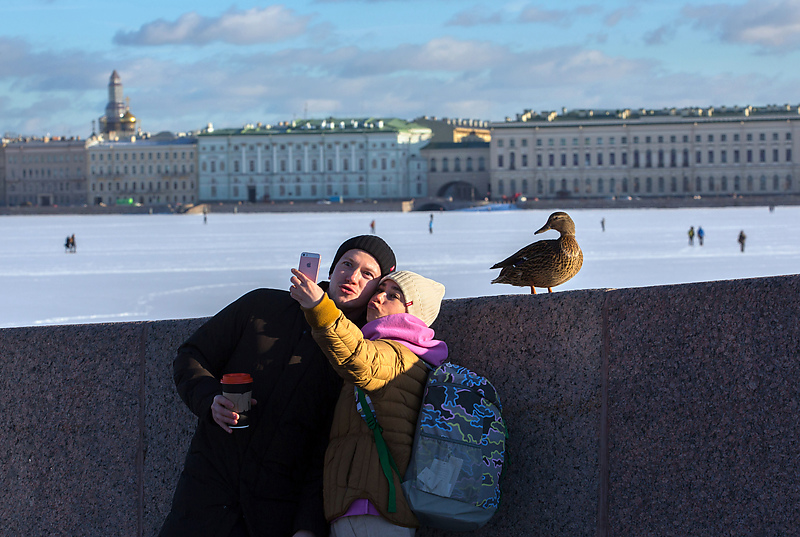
pixel 367 411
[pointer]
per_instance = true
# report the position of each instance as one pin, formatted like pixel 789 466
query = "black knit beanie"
pixel 374 246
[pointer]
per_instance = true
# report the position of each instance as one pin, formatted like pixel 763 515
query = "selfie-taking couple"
pixel 308 463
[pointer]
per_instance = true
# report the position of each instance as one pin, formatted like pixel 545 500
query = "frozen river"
pixel 150 267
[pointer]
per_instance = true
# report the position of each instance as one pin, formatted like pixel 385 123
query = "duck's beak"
pixel 545 227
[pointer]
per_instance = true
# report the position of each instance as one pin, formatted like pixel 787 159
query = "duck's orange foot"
pixel 533 290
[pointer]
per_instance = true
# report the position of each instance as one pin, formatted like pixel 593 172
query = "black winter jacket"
pixel 271 472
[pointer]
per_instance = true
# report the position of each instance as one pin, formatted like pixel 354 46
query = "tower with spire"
pixel 118 119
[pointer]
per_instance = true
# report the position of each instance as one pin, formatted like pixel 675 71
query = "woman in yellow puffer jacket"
pixel 389 359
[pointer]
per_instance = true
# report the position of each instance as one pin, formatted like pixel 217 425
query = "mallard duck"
pixel 545 263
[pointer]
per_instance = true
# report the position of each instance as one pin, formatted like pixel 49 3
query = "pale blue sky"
pixel 184 64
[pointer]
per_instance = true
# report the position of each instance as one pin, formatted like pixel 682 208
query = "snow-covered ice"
pixel 150 267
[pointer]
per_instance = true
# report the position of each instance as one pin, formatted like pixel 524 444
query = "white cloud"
pixel 63 91
pixel 771 25
pixel 475 16
pixel 268 25
pixel 560 17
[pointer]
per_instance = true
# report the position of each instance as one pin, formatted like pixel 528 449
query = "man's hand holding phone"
pixel 304 287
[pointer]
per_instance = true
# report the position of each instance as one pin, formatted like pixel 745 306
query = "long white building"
pixel 672 152
pixel 313 160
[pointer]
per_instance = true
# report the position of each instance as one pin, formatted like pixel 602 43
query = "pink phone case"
pixel 309 265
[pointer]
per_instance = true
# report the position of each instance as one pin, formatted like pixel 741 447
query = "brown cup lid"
pixel 236 378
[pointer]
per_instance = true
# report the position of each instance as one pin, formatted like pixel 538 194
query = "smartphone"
pixel 309 265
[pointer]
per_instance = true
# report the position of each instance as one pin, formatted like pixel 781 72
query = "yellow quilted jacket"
pixel 394 377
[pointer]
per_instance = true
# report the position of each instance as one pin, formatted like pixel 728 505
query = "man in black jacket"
pixel 265 480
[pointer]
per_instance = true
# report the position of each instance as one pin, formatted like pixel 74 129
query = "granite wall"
pixel 653 411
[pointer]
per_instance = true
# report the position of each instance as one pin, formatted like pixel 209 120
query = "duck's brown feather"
pixel 545 263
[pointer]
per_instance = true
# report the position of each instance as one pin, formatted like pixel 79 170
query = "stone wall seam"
pixel 141 448
pixel 603 462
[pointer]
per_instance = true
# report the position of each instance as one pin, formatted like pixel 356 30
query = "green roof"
pixel 329 125
pixel 679 114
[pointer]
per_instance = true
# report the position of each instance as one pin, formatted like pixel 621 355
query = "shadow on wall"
pixel 652 411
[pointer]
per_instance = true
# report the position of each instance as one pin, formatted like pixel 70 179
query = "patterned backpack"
pixel 453 477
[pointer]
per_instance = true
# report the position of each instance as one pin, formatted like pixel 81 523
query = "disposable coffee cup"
pixel 238 389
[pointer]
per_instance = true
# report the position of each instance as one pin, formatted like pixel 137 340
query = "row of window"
pixel 283 165
pixel 109 170
pixel 66 199
pixel 102 156
pixel 44 187
pixel 661 185
pixel 299 147
pixel 659 158
pixel 312 180
pixel 110 200
pixel 36 159
pixel 312 191
pixel 612 140
pixel 44 173
pixel 457 164
pixel 125 187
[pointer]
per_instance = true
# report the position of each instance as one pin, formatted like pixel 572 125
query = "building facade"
pixel 44 172
pixel 150 171
pixel 458 170
pixel 313 160
pixel 674 152
pixel 456 129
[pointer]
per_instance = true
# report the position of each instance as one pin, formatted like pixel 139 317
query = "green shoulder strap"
pixel 364 405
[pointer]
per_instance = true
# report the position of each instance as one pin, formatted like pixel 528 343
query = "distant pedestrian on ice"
pixel 372 226
pixel 205 214
pixel 72 246
pixel 430 224
pixel 603 224
pixel 700 235
pixel 67 244
pixel 691 236
pixel 741 239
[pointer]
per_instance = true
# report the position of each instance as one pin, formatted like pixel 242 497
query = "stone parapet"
pixel 650 411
